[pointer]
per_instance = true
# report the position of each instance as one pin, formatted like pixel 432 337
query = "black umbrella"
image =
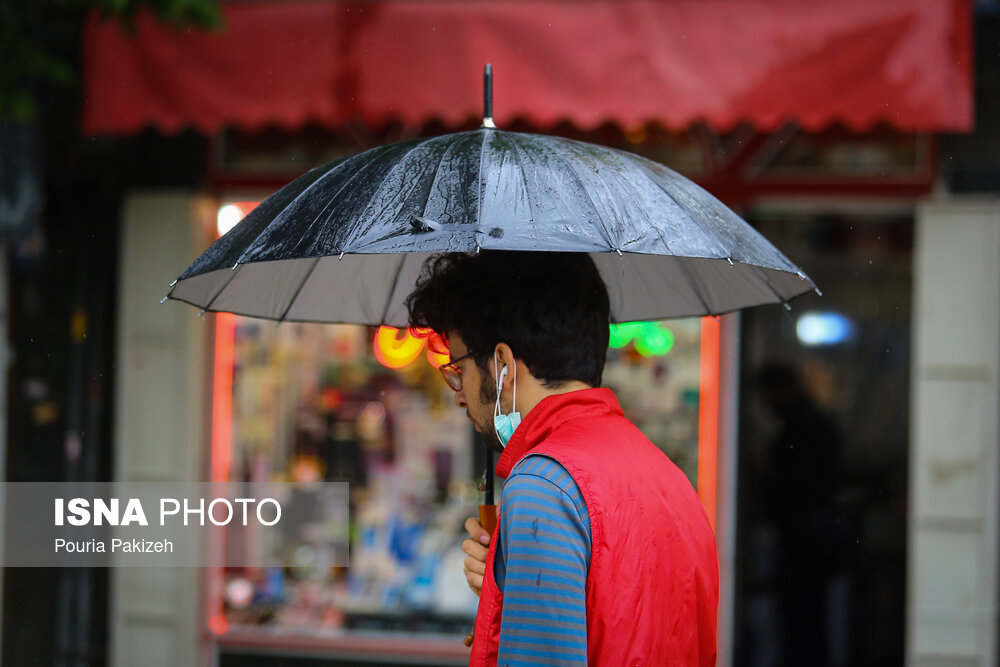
pixel 345 242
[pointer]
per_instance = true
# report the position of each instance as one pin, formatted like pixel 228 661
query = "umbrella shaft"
pixel 488 92
pixel 488 479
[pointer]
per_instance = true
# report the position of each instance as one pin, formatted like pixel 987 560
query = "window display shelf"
pixel 360 646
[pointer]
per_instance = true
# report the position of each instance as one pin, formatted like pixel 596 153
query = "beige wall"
pixel 161 414
pixel 954 470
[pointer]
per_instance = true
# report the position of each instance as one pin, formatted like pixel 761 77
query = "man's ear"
pixel 505 359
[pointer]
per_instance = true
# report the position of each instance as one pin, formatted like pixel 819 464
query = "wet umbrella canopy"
pixel 345 242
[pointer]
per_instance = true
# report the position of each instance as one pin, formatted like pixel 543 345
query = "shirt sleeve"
pixel 541 567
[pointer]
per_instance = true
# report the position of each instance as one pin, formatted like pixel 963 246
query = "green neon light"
pixel 652 339
pixel 622 334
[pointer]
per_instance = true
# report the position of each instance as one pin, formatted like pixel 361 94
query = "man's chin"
pixel 492 442
pixel 475 425
pixel 489 435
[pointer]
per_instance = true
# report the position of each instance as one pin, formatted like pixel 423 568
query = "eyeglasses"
pixel 452 373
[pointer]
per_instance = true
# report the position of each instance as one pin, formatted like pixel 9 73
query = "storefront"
pixel 309 402
pixel 795 153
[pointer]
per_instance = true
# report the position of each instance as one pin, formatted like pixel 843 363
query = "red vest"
pixel 653 583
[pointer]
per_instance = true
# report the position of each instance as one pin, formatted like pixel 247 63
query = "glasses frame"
pixel 452 374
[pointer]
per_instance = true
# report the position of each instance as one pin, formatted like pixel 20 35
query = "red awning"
pixel 856 62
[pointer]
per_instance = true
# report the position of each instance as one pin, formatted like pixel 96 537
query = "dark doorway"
pixel 821 536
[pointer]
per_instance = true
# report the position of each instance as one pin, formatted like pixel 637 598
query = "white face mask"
pixel 504 425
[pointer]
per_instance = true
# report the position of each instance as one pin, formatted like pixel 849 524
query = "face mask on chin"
pixel 504 425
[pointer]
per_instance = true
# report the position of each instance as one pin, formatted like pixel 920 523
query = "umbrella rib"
pixel 232 274
pixel 307 189
pixel 395 280
pixel 298 289
pixel 334 197
pixel 612 243
pixel 691 283
pixel 479 206
pixel 645 171
pixel 399 163
pixel 321 178
pixel 527 191
pixel 437 172
pixel 756 268
pixel 767 281
pixel 347 244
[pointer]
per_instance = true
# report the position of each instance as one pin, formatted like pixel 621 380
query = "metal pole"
pixel 488 479
pixel 4 357
pixel 488 97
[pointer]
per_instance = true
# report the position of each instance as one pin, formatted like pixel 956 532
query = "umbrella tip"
pixel 488 98
pixel 163 300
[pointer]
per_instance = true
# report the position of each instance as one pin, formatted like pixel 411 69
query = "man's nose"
pixel 460 398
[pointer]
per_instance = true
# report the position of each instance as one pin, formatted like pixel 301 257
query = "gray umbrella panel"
pixel 345 242
pixel 371 289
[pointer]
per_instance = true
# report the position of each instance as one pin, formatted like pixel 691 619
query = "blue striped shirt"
pixel 541 564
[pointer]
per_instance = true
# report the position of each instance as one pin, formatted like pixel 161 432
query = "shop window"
pixel 311 402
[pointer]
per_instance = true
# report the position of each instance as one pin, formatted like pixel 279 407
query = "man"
pixel 603 553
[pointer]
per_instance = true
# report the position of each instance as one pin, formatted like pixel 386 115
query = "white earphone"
pixel 503 374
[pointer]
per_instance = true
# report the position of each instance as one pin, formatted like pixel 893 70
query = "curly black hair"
pixel 552 309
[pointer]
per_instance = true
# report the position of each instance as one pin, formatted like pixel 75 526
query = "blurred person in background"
pixel 799 472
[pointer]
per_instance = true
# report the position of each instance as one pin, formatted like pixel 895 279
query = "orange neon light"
pixel 220 462
pixel 218 624
pixel 222 384
pixel 421 332
pixel 708 417
pixel 394 350
pixel 222 396
pixel 436 359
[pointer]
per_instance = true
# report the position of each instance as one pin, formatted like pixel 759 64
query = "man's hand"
pixel 475 549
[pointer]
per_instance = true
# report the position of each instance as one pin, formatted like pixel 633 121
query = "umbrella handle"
pixel 488 517
pixel 488 520
pixel 487 511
